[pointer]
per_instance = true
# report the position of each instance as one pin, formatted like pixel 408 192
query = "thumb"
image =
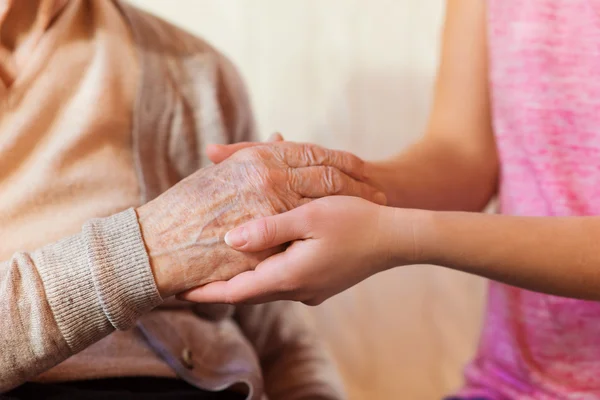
pixel 269 232
pixel 218 153
pixel 276 137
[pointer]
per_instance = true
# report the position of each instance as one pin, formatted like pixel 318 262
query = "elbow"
pixel 482 180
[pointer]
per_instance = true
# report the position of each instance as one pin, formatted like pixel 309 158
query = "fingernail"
pixel 236 237
pixel 275 137
pixel 380 198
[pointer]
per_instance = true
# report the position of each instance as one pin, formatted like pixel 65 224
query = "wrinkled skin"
pixel 184 228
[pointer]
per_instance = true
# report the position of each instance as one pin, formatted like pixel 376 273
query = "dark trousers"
pixel 117 389
pixel 465 398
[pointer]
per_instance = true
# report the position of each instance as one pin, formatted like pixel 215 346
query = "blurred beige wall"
pixel 355 75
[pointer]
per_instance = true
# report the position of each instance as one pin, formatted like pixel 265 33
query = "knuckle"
pixel 359 167
pixel 253 155
pixel 267 232
pixel 309 153
pixel 263 182
pixel 333 181
pixel 334 157
pixel 354 164
pixel 247 154
pixel 355 161
pixel 360 164
pixel 293 181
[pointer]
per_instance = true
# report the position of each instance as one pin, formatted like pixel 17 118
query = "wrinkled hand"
pixel 184 228
pixel 337 242
pixel 218 153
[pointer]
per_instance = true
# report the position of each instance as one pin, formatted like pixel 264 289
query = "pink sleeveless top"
pixel 545 79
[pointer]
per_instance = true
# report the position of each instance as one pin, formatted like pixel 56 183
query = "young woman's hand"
pixel 336 242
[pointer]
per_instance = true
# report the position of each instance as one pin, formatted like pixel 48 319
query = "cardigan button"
pixel 186 358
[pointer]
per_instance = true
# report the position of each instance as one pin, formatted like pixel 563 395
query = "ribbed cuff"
pixel 99 280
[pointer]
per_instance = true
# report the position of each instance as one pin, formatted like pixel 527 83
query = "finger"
pixel 265 284
pixel 215 293
pixel 218 153
pixel 266 233
pixel 270 281
pixel 224 293
pixel 315 182
pixel 276 137
pixel 309 155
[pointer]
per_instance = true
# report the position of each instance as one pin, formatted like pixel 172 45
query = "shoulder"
pixel 190 95
pixel 190 56
pixel 152 33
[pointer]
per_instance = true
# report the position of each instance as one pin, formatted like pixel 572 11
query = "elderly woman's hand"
pixel 184 228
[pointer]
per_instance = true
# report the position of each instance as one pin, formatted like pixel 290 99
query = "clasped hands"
pixel 218 236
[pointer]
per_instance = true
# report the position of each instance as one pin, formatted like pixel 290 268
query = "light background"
pixel 355 75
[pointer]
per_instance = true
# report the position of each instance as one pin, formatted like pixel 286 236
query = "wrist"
pixel 186 249
pixel 407 236
pixel 165 282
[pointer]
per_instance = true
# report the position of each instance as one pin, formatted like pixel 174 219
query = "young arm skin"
pixel 454 166
pixel 558 256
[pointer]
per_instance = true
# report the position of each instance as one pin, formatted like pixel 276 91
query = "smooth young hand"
pixel 336 243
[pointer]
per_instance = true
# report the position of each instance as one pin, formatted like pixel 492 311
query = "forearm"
pixel 432 174
pixel 454 167
pixel 59 299
pixel 557 256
